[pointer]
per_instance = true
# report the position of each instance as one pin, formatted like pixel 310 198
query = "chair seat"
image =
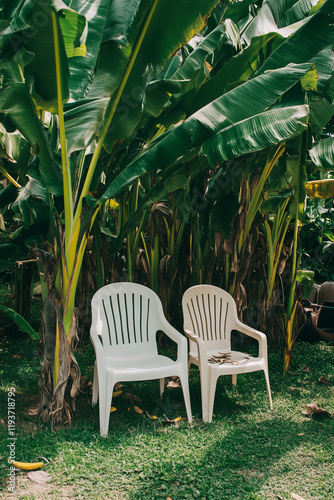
pixel 234 362
pixel 144 368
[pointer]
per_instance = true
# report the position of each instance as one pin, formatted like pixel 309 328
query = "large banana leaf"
pixel 237 70
pixel 252 98
pixel 193 71
pixel 285 17
pixel 269 50
pixel 324 62
pixel 299 10
pixel 187 18
pixel 15 101
pixel 263 23
pixel 29 200
pixel 123 21
pixel 312 37
pixel 54 29
pixel 10 144
pixel 320 114
pixel 238 10
pixel 256 133
pixel 15 13
pixel 40 42
pixel 22 324
pixel 83 120
pixel 82 69
pixel 322 154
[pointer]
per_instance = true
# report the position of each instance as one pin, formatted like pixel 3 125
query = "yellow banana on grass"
pixel 27 465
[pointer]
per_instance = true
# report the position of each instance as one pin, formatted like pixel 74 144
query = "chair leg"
pixel 205 390
pixel 95 394
pixel 162 386
pixel 105 407
pixel 268 388
pixel 211 397
pixel 234 379
pixel 186 395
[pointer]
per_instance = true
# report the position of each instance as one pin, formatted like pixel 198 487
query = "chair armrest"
pixel 177 337
pixel 255 334
pixel 99 352
pixel 202 355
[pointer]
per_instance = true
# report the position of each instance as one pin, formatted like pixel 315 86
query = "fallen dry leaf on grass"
pixel 33 411
pixel 173 383
pixel 152 417
pixel 323 380
pixel 116 393
pixel 131 397
pixel 167 421
pixel 138 410
pixel 313 409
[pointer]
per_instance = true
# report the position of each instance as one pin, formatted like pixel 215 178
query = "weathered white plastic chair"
pixel 125 320
pixel 210 315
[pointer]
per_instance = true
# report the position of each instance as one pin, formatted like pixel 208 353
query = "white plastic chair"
pixel 210 315
pixel 125 320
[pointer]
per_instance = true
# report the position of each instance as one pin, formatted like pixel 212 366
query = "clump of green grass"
pixel 248 452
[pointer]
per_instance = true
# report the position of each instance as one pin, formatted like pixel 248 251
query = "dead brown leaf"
pixel 173 383
pixel 83 383
pixel 305 369
pixel 33 411
pixel 131 397
pixel 167 421
pixel 152 417
pixel 313 409
pixel 138 410
pixel 323 380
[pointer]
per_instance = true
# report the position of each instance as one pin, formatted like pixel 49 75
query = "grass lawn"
pixel 248 452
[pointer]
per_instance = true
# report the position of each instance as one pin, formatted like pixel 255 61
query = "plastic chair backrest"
pixel 125 319
pixel 210 313
pixel 326 292
pixel 326 315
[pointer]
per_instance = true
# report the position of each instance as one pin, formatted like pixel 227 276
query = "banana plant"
pixel 54 51
pixel 86 90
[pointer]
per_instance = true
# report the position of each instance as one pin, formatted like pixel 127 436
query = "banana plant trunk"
pixel 59 381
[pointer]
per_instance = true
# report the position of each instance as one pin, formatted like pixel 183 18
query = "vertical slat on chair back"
pixel 207 312
pixel 124 318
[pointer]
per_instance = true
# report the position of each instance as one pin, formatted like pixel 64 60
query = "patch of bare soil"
pixel 33 491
